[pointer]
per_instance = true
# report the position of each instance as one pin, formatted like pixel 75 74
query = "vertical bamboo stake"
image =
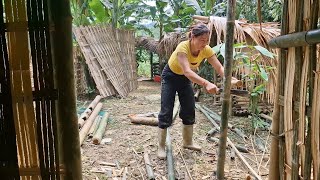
pixel 296 96
pixel 282 66
pixel 227 85
pixel 64 81
pixel 313 59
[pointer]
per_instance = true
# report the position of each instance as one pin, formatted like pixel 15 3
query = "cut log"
pixel 85 129
pixel 148 166
pixel 151 121
pixel 101 130
pixel 85 115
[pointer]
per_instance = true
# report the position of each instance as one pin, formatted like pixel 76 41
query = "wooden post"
pixel 62 50
pixel 227 86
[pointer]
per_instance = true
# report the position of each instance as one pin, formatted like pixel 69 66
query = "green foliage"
pixel 250 57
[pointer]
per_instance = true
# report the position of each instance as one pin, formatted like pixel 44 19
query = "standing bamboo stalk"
pixel 227 86
pixel 62 50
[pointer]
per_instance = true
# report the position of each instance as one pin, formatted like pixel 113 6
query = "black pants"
pixel 170 84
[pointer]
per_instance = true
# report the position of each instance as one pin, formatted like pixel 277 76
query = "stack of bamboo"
pixel 91 124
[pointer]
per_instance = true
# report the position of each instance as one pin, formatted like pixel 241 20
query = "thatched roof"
pixel 147 43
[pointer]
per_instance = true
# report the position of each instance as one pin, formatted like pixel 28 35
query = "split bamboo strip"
pixel 85 129
pixel 296 93
pixel 316 122
pixel 303 93
pixel 97 137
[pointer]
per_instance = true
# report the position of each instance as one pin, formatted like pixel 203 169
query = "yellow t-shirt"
pixel 194 62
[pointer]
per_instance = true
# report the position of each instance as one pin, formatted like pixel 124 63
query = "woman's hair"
pixel 198 30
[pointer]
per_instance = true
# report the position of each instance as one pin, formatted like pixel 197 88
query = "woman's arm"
pixel 194 77
pixel 216 65
pixel 220 69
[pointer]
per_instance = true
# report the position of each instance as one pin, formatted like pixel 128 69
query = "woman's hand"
pixel 211 88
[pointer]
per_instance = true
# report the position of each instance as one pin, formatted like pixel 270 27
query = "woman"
pixel 177 76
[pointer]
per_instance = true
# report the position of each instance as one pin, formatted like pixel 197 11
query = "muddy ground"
pixel 129 141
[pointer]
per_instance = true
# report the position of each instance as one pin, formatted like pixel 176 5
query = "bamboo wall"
pixel 28 93
pixel 297 113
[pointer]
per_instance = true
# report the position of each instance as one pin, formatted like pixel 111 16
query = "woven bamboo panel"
pixel 126 41
pixel 28 86
pixel 115 58
pixel 8 158
pixel 102 82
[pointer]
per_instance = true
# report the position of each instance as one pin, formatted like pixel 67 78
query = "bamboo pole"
pixel 227 86
pixel 170 161
pixel 62 50
pixel 85 129
pixel 85 115
pixel 148 166
pixel 94 126
pixel 296 39
pixel 97 137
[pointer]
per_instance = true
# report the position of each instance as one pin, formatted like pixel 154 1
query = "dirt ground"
pixel 129 141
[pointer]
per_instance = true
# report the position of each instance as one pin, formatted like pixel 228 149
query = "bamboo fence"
pixel 27 103
pixel 110 55
pixel 297 111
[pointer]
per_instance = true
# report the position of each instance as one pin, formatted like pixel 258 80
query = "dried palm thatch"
pixel 169 42
pixel 147 43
